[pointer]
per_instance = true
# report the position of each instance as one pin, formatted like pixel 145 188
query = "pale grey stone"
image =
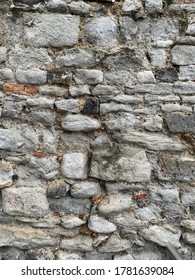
pixel 41 102
pixel 183 55
pixel 33 76
pixel 3 54
pixel 155 99
pixel 130 6
pixel 128 220
pixel 70 221
pixel 128 27
pixel 170 108
pixel 11 140
pixel 76 58
pixel 120 122
pixel 121 187
pixel 101 32
pixel 25 237
pixel 188 224
pixel 91 77
pixel 52 30
pixel 123 257
pixel 113 107
pixel 31 202
pixel 101 90
pixel 79 243
pixel 125 99
pixel 85 189
pixel 189 237
pixel 79 90
pixel 151 141
pixel 58 188
pixel 158 58
pixel 127 59
pixel 160 88
pixel 191 29
pixel 79 122
pixel 6 75
pixel 62 255
pixel 162 235
pixel 45 118
pixel 119 78
pixel 187 196
pixel 187 72
pixel 115 244
pixel 154 6
pixel 75 165
pixel 6 173
pixel 100 225
pixel 57 5
pixel 181 123
pixel 149 213
pixel 115 203
pixel 68 105
pixel 70 205
pixel 153 124
pixel 29 58
pixel 79 8
pixel 178 9
pixel 53 90
pixel 163 43
pixel 124 164
pixel 188 99
pixel 146 77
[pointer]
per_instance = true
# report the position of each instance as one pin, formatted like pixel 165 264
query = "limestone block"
pixel 154 6
pixel 101 32
pixel 181 123
pixel 75 165
pixel 79 8
pixel 79 122
pixel 31 202
pixel 62 255
pixel 53 90
pixel 79 243
pixel 115 244
pixel 85 189
pixel 68 105
pixel 52 30
pixel 91 77
pixel 146 77
pixel 79 90
pixel 125 164
pixel 189 237
pixel 130 6
pixel 70 221
pixel 100 225
pixel 33 76
pixel 6 173
pixel 183 55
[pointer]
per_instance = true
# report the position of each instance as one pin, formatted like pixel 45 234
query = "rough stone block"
pixel 92 77
pixel 79 8
pixel 130 6
pixel 128 28
pixel 181 123
pixel 183 55
pixel 52 30
pixel 85 189
pixel 71 221
pixel 6 75
pixel 100 225
pixel 25 201
pixel 58 6
pixel 79 90
pixel 20 89
pixel 101 32
pixel 79 122
pixel 53 90
pixel 124 164
pixel 68 105
pixel 79 243
pixel 11 140
pixel 75 166
pixel 119 78
pixel 33 76
pixel 6 173
pixel 115 244
pixel 146 77
pixel 3 54
pixel 2 29
pixel 154 6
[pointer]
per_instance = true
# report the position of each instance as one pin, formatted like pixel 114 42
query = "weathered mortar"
pixel 97 122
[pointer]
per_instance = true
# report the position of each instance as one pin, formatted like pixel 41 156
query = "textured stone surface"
pixel 115 244
pixel 6 173
pixel 115 204
pixel 181 123
pixel 124 164
pixel 100 225
pixel 55 30
pixel 91 77
pixel 83 243
pixel 31 202
pixel 85 189
pixel 75 165
pixel 183 55
pixel 79 123
pixel 33 76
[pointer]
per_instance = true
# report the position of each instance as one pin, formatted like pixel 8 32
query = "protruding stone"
pixel 113 204
pixel 100 225
pixel 124 164
pixel 75 166
pixel 6 173
pixel 70 221
pixel 79 123
pixel 85 189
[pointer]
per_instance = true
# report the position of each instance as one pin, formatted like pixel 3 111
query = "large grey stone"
pixel 25 237
pixel 6 75
pixel 115 244
pixel 3 54
pixel 70 205
pixel 68 105
pixel 11 140
pixel 100 225
pixel 52 30
pixel 183 55
pixel 41 102
pixel 113 107
pixel 115 203
pixel 189 237
pixel 45 118
pixel 71 221
pixel 101 32
pixel 119 78
pixel 154 6
pixel 76 58
pixel 32 76
pixel 128 27
pixel 62 255
pixel 85 189
pixel 79 90
pixel 79 243
pixel 151 141
pixel 6 173
pixel 181 123
pixel 123 164
pixel 53 90
pixel 130 6
pixel 25 201
pixel 29 58
pixel 184 87
pixel 188 195
pixel 160 88
pixel 79 8
pixel 79 123
pixel 128 220
pixel 162 236
pixel 91 77
pixel 187 72
pixel 75 165
pixel 121 122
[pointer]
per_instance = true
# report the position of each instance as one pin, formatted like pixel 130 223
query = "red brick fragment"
pixel 97 199
pixel 39 153
pixel 20 89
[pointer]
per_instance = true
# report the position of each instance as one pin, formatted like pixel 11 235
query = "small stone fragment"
pixel 6 174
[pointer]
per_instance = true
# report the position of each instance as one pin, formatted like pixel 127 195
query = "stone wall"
pixel 97 129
